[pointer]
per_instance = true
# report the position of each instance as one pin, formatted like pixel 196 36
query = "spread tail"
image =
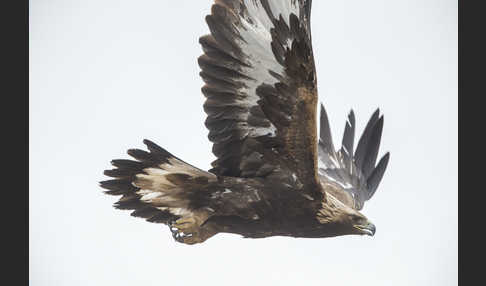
pixel 161 188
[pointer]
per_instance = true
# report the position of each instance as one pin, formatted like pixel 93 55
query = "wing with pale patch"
pixel 260 88
pixel 158 186
pixel 352 178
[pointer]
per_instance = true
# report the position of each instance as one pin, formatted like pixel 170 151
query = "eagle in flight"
pixel 273 176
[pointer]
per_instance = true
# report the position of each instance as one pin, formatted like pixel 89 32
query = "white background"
pixel 105 74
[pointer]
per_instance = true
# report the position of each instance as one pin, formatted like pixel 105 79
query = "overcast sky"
pixel 105 74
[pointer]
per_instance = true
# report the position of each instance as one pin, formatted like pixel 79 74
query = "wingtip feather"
pixel 373 147
pixel 377 175
pixel 325 135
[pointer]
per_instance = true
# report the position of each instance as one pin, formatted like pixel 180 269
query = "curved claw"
pixel 191 229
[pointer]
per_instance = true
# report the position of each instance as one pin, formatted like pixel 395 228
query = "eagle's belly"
pixel 257 208
pixel 265 227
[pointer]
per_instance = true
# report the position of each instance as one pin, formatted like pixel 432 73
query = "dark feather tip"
pixel 127 164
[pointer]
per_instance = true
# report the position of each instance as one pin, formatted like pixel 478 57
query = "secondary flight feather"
pixel 273 175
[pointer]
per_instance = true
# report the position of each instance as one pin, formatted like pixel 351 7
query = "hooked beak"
pixel 368 229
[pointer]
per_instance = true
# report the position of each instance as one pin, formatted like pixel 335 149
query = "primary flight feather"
pixel 273 176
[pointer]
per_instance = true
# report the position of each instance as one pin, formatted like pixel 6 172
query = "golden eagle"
pixel 273 176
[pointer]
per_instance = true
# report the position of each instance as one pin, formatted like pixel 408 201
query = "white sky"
pixel 105 74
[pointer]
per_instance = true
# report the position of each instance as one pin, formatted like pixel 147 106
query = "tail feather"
pixel 157 186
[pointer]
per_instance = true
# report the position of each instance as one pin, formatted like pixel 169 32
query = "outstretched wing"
pixel 260 85
pixel 353 178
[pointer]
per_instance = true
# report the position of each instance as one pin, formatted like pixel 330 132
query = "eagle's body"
pixel 273 175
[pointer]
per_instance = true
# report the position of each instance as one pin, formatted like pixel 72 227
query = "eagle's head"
pixel 340 219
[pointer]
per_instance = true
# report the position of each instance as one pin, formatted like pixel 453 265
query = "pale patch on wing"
pixel 256 42
pixel 258 56
pixel 285 8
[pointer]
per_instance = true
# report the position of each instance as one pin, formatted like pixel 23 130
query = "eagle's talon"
pixel 185 225
pixel 184 221
pixel 185 230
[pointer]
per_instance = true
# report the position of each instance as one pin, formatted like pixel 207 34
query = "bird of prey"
pixel 273 176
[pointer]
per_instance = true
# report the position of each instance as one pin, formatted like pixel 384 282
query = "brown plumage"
pixel 273 175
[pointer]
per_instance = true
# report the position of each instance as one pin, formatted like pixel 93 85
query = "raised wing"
pixel 260 87
pixel 353 178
